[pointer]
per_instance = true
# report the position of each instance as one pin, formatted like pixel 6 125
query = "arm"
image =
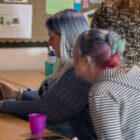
pixel 67 98
pixel 9 92
pixel 106 118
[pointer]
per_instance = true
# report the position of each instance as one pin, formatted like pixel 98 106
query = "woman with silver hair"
pixel 63 97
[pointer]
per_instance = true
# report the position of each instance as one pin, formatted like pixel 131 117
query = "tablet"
pixel 47 138
pixel 1 95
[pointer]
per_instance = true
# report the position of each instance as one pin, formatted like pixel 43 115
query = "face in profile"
pixel 54 41
pixel 80 62
pixel 85 67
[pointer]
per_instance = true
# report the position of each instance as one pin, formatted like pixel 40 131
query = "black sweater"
pixel 65 101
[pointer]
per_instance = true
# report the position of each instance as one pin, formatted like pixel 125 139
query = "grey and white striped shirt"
pixel 114 102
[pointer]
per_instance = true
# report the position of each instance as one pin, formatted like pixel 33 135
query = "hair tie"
pixel 117 44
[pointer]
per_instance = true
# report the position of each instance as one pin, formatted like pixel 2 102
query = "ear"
pixel 88 59
pixel 84 60
pixel 84 63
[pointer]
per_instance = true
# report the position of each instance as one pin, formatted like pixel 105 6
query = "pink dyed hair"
pixel 95 43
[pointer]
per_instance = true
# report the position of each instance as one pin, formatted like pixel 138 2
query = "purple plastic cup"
pixel 37 123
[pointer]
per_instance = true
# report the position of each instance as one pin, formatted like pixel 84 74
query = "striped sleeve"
pixel 106 119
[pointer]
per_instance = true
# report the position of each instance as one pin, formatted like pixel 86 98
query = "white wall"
pixel 22 58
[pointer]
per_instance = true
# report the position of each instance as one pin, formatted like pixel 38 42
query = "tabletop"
pixel 23 78
pixel 13 128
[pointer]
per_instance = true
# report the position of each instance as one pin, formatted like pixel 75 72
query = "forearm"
pixel 23 108
pixel 20 108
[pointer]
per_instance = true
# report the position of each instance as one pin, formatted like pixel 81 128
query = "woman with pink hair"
pixel 114 98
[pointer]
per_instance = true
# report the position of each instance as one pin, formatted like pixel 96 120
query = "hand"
pixel 8 92
pixel 0 104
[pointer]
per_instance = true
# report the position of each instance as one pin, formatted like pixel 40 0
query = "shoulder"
pixel 99 87
pixel 70 76
pixel 107 89
pixel 71 80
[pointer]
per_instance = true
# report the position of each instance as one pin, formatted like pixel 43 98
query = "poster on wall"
pixel 95 1
pixel 15 1
pixel 54 6
pixel 15 21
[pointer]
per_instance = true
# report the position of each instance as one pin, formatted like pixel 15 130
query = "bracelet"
pixel 18 94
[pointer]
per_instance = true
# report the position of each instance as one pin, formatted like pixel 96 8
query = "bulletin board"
pixel 39 31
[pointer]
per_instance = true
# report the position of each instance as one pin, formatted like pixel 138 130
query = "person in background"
pixel 64 96
pixel 114 98
pixel 123 17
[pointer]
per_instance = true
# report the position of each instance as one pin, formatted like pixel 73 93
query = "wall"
pixel 22 58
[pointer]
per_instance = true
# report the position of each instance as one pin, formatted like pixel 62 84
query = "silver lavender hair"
pixel 68 24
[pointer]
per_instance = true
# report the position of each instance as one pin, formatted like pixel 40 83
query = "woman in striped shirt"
pixel 114 99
